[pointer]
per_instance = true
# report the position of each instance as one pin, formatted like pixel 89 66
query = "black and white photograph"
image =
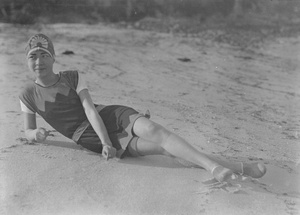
pixel 150 107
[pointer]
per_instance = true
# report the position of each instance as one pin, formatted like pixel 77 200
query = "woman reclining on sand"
pixel 63 100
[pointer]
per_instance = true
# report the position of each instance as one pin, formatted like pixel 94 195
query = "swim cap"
pixel 40 42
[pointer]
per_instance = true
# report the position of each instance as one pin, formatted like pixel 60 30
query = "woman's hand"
pixel 108 151
pixel 41 134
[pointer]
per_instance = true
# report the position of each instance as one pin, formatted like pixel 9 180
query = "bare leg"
pixel 155 139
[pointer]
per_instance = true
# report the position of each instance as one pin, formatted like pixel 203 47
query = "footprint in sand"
pixel 220 186
pixel 25 141
pixel 291 206
pixel 239 185
pixel 48 156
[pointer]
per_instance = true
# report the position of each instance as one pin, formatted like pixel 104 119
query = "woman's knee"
pixel 152 131
pixel 156 131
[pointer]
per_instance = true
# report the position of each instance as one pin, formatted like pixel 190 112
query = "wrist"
pixel 106 144
pixel 30 134
pixel 106 141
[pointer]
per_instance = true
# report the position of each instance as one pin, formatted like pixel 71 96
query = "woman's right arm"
pixel 33 133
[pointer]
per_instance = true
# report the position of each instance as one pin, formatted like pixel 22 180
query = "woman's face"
pixel 40 62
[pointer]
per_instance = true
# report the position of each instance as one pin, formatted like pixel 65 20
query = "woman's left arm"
pixel 97 123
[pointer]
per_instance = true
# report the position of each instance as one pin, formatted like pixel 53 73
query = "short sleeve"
pixel 81 83
pixel 27 98
pixel 25 109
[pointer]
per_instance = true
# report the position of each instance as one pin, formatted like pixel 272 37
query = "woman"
pixel 63 100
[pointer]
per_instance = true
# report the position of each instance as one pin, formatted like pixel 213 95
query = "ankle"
pixel 221 173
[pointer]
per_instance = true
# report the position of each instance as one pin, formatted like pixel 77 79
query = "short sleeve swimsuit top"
pixel 58 104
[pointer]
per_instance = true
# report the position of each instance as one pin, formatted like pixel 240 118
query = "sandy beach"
pixel 239 103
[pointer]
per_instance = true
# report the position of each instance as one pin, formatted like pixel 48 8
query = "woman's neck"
pixel 47 81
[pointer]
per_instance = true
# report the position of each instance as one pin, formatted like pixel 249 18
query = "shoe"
pixel 259 172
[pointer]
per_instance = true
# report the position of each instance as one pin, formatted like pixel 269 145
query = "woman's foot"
pixel 221 173
pixel 254 170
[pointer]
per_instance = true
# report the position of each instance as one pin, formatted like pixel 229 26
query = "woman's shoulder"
pixel 69 73
pixel 27 88
pixel 71 77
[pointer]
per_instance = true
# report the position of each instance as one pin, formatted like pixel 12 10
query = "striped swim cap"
pixel 40 42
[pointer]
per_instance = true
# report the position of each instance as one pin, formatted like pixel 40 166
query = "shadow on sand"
pixel 277 181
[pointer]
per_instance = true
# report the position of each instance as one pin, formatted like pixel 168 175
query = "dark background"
pixel 175 13
pixel 241 23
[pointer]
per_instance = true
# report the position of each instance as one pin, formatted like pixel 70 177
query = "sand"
pixel 240 104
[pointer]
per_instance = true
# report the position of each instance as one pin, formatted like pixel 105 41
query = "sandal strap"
pixel 213 169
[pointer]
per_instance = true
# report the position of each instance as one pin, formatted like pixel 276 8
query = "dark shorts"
pixel 119 121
